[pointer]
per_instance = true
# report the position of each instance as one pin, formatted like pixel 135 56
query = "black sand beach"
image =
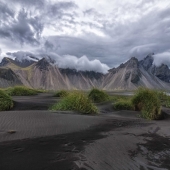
pixel 33 138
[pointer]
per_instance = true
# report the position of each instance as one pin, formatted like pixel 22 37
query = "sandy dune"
pixel 44 140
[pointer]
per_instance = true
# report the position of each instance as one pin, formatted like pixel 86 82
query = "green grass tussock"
pixel 164 98
pixel 61 93
pixel 21 91
pixel 6 102
pixel 76 101
pixel 123 105
pixel 98 96
pixel 116 98
pixel 148 102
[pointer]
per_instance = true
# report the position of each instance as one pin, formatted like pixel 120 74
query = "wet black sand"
pixel 44 140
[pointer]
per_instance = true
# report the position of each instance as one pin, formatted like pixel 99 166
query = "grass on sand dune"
pixel 6 102
pixel 164 98
pixel 76 101
pixel 147 101
pixel 98 96
pixel 21 91
pixel 123 104
pixel 61 93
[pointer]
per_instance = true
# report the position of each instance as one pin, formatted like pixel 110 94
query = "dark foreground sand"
pixel 45 140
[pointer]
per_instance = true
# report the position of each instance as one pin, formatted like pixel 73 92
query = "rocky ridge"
pixel 128 76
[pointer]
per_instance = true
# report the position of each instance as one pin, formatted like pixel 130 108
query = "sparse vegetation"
pixel 164 98
pixel 76 101
pixel 6 102
pixel 167 103
pixel 148 102
pixel 123 105
pixel 21 91
pixel 61 93
pixel 116 98
pixel 98 96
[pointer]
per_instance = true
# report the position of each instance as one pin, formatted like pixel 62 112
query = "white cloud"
pixel 82 63
pixel 143 50
pixel 66 61
pixel 162 58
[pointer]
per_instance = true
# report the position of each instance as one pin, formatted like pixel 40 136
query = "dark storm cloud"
pixel 152 35
pixel 5 12
pixel 31 3
pixel 23 28
pixel 112 36
pixel 149 34
pixel 60 7
pixel 48 46
pixel 93 48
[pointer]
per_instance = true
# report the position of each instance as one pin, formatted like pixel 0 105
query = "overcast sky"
pixel 101 31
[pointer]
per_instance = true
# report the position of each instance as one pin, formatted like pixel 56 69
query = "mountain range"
pixel 43 74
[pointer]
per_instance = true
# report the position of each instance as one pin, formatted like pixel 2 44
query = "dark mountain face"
pixel 8 78
pixel 131 72
pixel 5 61
pixel 88 74
pixel 132 63
pixel 43 64
pixel 147 62
pixel 24 63
pixel 162 72
pixel 7 74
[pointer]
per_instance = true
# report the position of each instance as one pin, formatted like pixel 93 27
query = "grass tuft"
pixel 6 102
pixel 148 102
pixel 123 105
pixel 165 99
pixel 98 96
pixel 61 93
pixel 76 101
pixel 116 98
pixel 21 91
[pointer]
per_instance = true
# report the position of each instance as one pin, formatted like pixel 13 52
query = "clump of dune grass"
pixel 97 95
pixel 76 101
pixel 164 98
pixel 6 102
pixel 147 101
pixel 167 103
pixel 21 91
pixel 61 93
pixel 122 104
pixel 116 98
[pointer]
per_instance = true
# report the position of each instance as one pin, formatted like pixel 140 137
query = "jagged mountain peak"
pixel 43 64
pixel 45 74
pixel 5 61
pixel 147 62
pixel 132 63
pixel 21 63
